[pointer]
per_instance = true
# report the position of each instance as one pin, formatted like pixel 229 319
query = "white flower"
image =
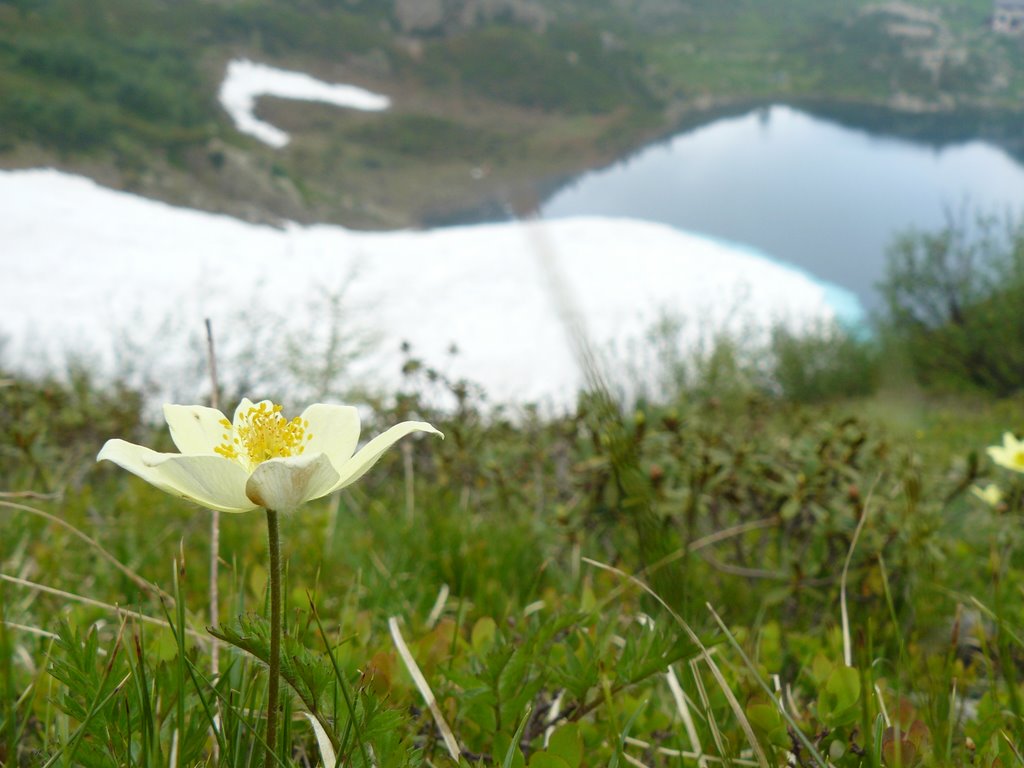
pixel 260 459
pixel 1010 454
pixel 991 494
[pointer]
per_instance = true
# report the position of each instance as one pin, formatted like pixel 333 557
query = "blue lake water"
pixel 801 190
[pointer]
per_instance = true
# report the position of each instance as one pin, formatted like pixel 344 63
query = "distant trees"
pixel 954 301
pixel 76 93
pixel 569 68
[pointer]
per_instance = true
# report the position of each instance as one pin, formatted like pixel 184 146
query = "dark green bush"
pixel 68 122
pixel 64 59
pixel 80 93
pixel 823 363
pixel 953 302
pixel 52 427
pixel 427 136
pixel 565 69
pixel 856 54
pixel 820 362
pixel 279 29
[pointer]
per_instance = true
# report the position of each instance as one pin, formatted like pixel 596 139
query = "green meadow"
pixel 794 553
pixel 754 558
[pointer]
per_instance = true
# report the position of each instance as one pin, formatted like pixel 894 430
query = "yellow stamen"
pixel 262 434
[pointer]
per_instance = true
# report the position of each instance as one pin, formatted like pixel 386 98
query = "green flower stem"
pixel 274 540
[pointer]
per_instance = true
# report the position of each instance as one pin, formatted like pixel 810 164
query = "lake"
pixel 803 190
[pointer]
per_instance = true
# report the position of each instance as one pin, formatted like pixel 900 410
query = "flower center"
pixel 263 433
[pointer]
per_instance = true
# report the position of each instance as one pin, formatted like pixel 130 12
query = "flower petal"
pixel 284 484
pixel 211 481
pixel 991 494
pixel 998 454
pixel 195 428
pixel 1010 454
pixel 368 455
pixel 333 430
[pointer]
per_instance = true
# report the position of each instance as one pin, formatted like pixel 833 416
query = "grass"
pixel 718 576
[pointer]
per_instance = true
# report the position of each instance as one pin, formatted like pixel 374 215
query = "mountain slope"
pixel 493 100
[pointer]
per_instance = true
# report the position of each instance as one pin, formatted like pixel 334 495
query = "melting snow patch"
pixel 245 81
pixel 88 268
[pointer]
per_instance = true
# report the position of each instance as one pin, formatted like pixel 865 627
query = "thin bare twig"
pixel 211 359
pixel 844 613
pixel 739 570
pixel 55 496
pixel 698 756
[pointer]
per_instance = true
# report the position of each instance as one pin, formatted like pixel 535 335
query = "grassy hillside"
pixel 489 111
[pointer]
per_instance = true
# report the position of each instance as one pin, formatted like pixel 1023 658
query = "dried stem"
pixel 211 359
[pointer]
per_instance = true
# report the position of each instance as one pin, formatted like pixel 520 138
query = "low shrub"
pixel 823 362
pixel 819 362
pixel 952 304
pixel 566 69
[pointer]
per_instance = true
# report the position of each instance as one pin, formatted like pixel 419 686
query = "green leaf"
pixel 790 509
pixel 837 702
pixel 483 633
pixel 567 743
pixel 766 719
pixel 513 674
pixel 821 668
pixel 620 748
pixel 307 673
pixel 844 685
pixel 513 756
pixel 547 760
